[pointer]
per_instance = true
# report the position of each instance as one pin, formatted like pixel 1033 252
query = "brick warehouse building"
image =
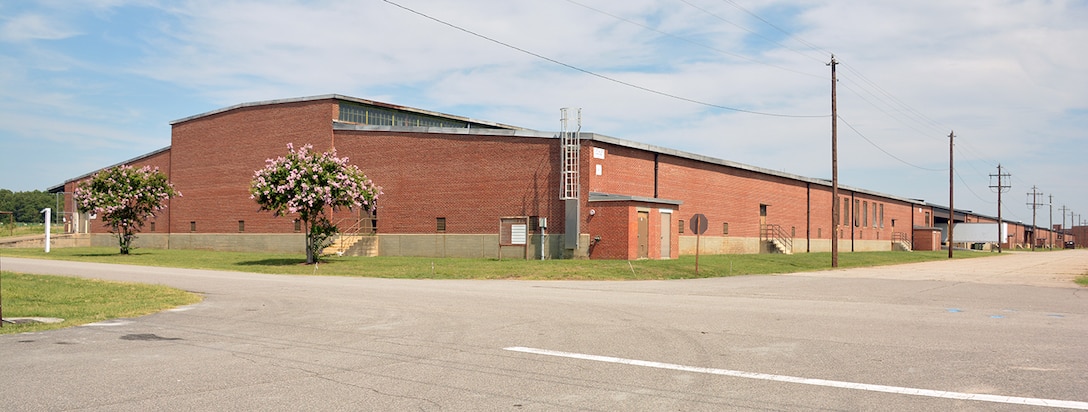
pixel 461 187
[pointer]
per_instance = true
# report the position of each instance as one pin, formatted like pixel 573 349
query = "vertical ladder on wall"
pixel 571 149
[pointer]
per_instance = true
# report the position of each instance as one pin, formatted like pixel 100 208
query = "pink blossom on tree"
pixel 124 197
pixel 309 184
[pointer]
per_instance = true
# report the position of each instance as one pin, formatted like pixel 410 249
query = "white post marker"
pixel 48 219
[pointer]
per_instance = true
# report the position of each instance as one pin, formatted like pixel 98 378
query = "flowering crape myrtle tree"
pixel 311 184
pixel 124 197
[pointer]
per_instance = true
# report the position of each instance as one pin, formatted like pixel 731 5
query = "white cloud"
pixel 27 27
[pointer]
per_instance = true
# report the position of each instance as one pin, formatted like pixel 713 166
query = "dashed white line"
pixel 1016 400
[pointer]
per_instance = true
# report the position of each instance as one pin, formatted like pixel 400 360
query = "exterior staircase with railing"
pixel 356 240
pixel 901 242
pixel 779 240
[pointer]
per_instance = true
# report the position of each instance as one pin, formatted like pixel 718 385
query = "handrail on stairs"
pixel 776 232
pixel 356 229
pixel 904 238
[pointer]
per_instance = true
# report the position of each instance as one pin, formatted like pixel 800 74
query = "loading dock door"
pixel 643 235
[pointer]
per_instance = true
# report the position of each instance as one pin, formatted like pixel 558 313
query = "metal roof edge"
pixel 609 197
pixel 741 166
pixel 347 99
pixel 345 126
pixel 86 175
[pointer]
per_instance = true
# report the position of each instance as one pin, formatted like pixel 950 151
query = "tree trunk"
pixel 310 258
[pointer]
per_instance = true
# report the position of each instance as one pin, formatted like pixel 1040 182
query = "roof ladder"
pixel 571 149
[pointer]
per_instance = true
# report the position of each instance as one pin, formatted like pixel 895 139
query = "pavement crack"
pixel 375 390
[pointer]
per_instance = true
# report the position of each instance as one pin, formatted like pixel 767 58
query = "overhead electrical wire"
pixel 859 133
pixel 595 74
pixel 757 34
pixel 693 42
pixel 907 115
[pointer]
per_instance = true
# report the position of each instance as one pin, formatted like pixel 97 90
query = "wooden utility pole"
pixel 834 167
pixel 1050 230
pixel 1000 222
pixel 1034 205
pixel 951 185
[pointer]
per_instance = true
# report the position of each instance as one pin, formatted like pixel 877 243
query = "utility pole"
pixel 1050 236
pixel 1001 187
pixel 1034 204
pixel 951 185
pixel 1063 209
pixel 834 167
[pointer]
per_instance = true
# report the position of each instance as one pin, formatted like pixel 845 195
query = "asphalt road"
pixel 993 334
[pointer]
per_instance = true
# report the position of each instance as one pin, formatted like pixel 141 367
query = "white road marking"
pixel 1053 403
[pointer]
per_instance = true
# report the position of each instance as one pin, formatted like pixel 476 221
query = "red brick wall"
pixel 734 196
pixel 471 180
pixel 215 157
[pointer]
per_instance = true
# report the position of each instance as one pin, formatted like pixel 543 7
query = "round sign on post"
pixel 698 224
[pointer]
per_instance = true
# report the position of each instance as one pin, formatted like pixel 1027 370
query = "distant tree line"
pixel 27 206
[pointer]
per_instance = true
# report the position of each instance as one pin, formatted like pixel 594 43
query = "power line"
pixel 769 40
pixel 692 42
pixel 594 74
pixel 783 31
pixel 885 151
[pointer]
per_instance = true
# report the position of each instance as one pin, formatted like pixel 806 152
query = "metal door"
pixel 643 235
pixel 666 235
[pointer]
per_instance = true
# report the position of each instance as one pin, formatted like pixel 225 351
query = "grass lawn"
pixel 458 268
pixel 80 301
pixel 26 229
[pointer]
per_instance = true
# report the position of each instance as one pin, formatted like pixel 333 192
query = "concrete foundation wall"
pixel 719 245
pixel 241 242
pixel 466 246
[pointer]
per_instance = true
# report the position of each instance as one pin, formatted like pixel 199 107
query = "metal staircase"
pixel 779 240
pixel 902 241
pixel 351 236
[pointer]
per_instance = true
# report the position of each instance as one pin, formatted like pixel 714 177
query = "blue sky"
pixel 85 85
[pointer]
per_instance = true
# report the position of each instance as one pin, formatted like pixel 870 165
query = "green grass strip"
pixel 81 301
pixel 460 268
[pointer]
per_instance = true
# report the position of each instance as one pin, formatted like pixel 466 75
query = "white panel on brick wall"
pixel 598 153
pixel 517 234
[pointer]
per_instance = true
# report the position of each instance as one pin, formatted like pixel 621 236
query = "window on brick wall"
pixel 681 226
pixel 440 224
pixel 725 228
pixel 857 205
pixel 845 212
pixel 152 226
pixel 875 223
pixel 881 215
pixel 241 226
pixel 192 226
pixel 864 214
pixel 298 225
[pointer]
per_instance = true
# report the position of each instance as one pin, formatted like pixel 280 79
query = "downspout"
pixel 853 218
pixel 656 163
